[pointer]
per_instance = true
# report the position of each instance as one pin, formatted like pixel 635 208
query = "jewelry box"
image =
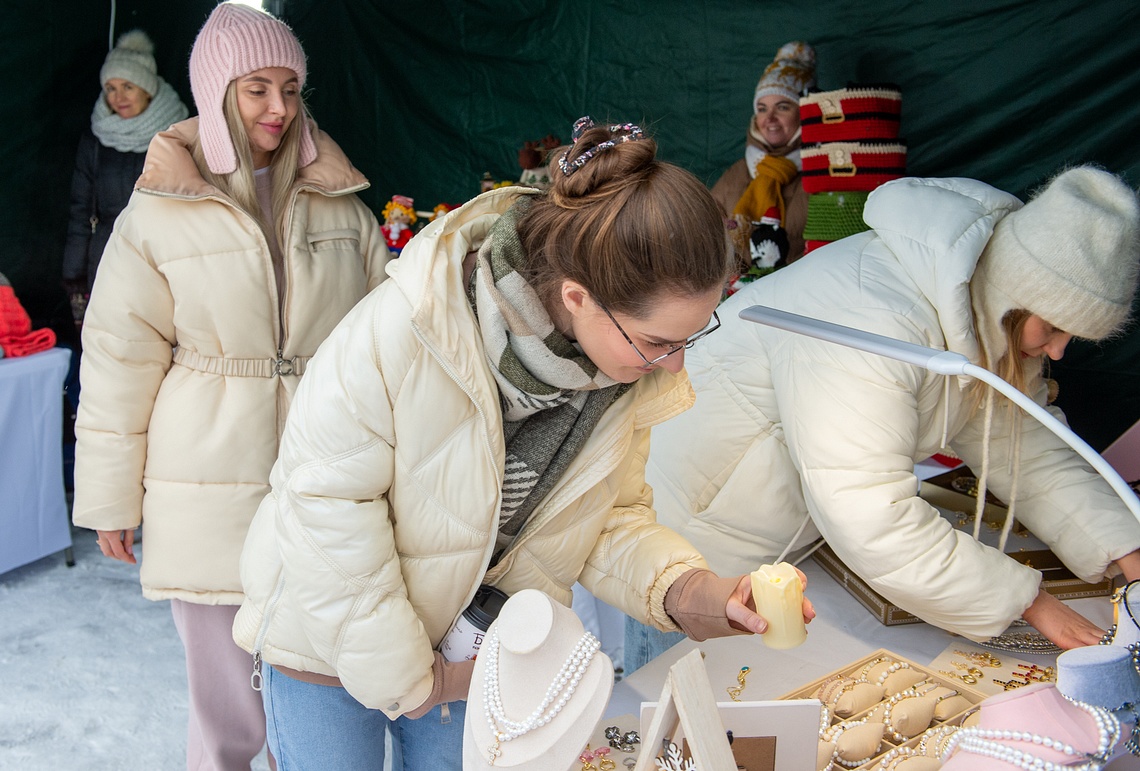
pixel 898 741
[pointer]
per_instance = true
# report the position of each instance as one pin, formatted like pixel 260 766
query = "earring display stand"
pixel 769 735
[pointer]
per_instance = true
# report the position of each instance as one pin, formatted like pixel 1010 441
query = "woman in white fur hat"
pixel 794 438
pixel 133 106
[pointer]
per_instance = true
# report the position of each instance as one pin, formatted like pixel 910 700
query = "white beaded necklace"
pixel 558 694
pixel 988 742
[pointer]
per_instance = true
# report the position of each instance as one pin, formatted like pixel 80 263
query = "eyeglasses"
pixel 714 322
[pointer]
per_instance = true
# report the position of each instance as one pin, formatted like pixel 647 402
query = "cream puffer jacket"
pixel 785 425
pixel 386 495
pixel 189 363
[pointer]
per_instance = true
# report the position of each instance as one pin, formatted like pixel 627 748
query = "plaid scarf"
pixel 551 394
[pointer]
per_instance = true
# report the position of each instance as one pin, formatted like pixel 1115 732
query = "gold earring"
pixel 735 691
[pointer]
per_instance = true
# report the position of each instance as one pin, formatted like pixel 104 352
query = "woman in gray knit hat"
pixel 793 439
pixel 133 105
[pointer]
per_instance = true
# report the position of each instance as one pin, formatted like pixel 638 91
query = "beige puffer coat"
pixel 189 364
pixel 785 425
pixel 386 495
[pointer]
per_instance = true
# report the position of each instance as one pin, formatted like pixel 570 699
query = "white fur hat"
pixel 1071 255
pixel 132 59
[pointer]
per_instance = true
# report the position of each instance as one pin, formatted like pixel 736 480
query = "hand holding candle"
pixel 778 593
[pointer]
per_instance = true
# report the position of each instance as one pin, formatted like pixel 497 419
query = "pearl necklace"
pixel 981 741
pixel 558 694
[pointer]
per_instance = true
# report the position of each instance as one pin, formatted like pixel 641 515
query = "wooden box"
pixel 853 669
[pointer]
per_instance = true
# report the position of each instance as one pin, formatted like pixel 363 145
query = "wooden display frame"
pixel 687 711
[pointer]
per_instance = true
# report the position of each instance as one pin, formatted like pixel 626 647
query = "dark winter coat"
pixel 100 188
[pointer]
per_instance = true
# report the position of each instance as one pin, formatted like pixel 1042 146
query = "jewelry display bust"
pixel 1034 727
pixel 541 681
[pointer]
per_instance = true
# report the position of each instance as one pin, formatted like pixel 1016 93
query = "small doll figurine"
pixel 768 242
pixel 399 215
pixel 442 209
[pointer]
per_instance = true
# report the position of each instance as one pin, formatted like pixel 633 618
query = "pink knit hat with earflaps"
pixel 235 41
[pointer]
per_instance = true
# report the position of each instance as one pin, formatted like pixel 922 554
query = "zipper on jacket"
pixel 443 363
pixel 255 679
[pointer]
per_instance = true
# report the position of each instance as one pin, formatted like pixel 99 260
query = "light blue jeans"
pixel 315 727
pixel 645 643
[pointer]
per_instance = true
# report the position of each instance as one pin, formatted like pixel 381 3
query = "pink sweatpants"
pixel 227 722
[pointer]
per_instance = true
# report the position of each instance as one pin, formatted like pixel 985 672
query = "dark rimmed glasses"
pixel 714 325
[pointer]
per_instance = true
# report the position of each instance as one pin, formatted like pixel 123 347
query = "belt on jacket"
pixel 219 365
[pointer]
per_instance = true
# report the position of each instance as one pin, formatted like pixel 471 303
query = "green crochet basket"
pixel 835 215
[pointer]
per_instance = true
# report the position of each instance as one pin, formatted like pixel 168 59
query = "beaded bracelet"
pixel 867 667
pixel 897 666
pixel 896 756
pixel 909 693
pixel 838 731
pixel 933 741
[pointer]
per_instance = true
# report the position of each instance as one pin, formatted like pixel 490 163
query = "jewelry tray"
pixel 853 668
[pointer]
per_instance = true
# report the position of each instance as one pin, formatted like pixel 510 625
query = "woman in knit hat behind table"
pixel 134 105
pixel 793 438
pixel 766 181
pixel 241 248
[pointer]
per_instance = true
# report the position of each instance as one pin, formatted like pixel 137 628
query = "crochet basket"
pixel 851 114
pixel 835 215
pixel 852 165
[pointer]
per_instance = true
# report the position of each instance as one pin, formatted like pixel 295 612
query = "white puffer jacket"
pixel 386 495
pixel 183 392
pixel 785 425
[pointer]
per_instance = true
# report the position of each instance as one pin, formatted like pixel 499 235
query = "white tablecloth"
pixel 33 507
pixel 842 631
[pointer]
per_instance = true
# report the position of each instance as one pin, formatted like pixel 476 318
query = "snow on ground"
pixel 92 676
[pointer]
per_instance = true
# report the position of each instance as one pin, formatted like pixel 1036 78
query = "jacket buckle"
pixel 283 366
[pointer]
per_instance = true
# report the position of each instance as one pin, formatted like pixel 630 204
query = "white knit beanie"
pixel 235 41
pixel 132 59
pixel 1072 254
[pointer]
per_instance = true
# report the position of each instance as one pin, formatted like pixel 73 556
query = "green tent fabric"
pixel 426 98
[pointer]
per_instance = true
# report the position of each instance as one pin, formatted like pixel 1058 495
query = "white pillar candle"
pixel 779 600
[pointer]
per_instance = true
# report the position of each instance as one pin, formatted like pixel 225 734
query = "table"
pixel 842 631
pixel 33 506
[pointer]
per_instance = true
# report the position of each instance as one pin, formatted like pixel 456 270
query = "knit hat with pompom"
pixel 235 41
pixel 132 59
pixel 790 74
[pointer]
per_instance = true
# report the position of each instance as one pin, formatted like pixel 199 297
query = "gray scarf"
pixel 552 395
pixel 133 135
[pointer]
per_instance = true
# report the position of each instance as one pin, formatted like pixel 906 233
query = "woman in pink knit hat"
pixel 241 248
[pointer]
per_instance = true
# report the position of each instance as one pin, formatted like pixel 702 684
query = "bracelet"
pixel 867 667
pixel 897 666
pixel 933 741
pixel 896 756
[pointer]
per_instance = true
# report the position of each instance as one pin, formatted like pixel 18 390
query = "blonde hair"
pixel 392 206
pixel 1010 367
pixel 240 184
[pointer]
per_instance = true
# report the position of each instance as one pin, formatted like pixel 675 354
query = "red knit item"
pixel 810 245
pixel 16 335
pixel 850 114
pixel 851 165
